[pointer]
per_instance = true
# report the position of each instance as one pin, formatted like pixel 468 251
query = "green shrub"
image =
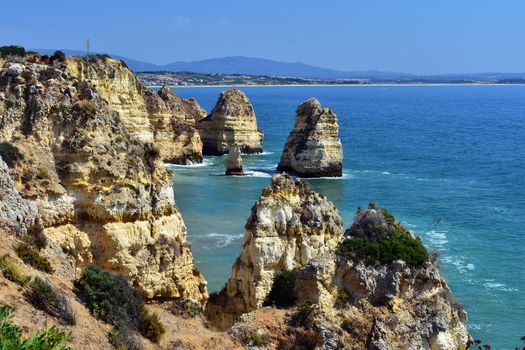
pixel 32 256
pixel 86 108
pixel 11 271
pixel 11 336
pixel 59 56
pixel 342 300
pixel 256 338
pixel 184 307
pixel 112 299
pixel 12 50
pixel 45 297
pixel 304 310
pixel 282 293
pixel 122 338
pixel 400 246
pixel 150 326
pixel 10 154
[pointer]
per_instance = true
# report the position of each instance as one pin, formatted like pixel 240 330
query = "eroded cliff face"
pixel 162 117
pixel 100 188
pixel 289 225
pixel 380 305
pixel 313 148
pixel 232 121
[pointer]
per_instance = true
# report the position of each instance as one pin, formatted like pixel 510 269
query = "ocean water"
pixel 448 161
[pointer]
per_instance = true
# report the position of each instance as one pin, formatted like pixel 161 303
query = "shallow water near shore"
pixel 448 161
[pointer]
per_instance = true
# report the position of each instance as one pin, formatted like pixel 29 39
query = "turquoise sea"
pixel 448 161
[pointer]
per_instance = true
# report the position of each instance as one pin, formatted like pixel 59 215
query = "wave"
pixel 205 163
pixel 215 240
pixel 437 238
pixel 498 286
pixel 257 174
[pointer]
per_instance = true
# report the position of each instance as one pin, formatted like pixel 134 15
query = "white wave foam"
pixel 257 174
pixel 499 286
pixel 215 240
pixel 437 238
pixel 205 162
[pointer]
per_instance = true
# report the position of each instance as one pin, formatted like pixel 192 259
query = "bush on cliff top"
pixel 12 50
pixel 112 299
pixel 387 243
pixel 11 335
pixel 282 293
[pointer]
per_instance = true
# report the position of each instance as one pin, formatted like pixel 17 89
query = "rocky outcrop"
pixel 289 225
pixel 16 213
pixel 173 119
pixel 232 121
pixel 234 161
pixel 162 117
pixel 99 185
pixel 313 148
pixel 387 305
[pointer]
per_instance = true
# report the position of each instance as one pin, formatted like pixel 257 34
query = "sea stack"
pixel 232 121
pixel 289 225
pixel 173 119
pixel 234 161
pixel 313 148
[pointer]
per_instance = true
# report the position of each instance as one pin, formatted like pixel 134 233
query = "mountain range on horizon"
pixel 267 67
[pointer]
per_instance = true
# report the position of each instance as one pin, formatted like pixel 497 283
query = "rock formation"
pixel 173 119
pixel 389 305
pixel 313 148
pixel 232 121
pixel 289 225
pixel 16 213
pixel 88 166
pixel 234 161
pixel 163 117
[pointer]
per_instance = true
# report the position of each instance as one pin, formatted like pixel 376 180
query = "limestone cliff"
pixel 380 305
pixel 232 121
pixel 163 117
pixel 99 185
pixel 289 225
pixel 313 148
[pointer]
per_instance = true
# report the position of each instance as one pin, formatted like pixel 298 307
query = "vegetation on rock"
pixel 11 271
pixel 45 297
pixel 282 293
pixel 11 335
pixel 31 255
pixel 12 50
pixel 112 299
pixel 377 237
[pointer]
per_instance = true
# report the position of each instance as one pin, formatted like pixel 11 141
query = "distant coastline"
pixel 335 85
pixel 191 79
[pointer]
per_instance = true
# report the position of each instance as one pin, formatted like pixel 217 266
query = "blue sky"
pixel 414 36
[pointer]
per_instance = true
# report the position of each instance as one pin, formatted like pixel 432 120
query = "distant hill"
pixel 271 68
pixel 244 65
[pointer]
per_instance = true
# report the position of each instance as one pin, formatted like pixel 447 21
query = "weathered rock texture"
pixel 161 117
pixel 100 188
pixel 380 306
pixel 232 121
pixel 313 148
pixel 289 225
pixel 173 119
pixel 16 213
pixel 234 161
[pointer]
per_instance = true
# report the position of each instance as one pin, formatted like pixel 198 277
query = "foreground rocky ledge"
pixel 101 192
pixel 313 148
